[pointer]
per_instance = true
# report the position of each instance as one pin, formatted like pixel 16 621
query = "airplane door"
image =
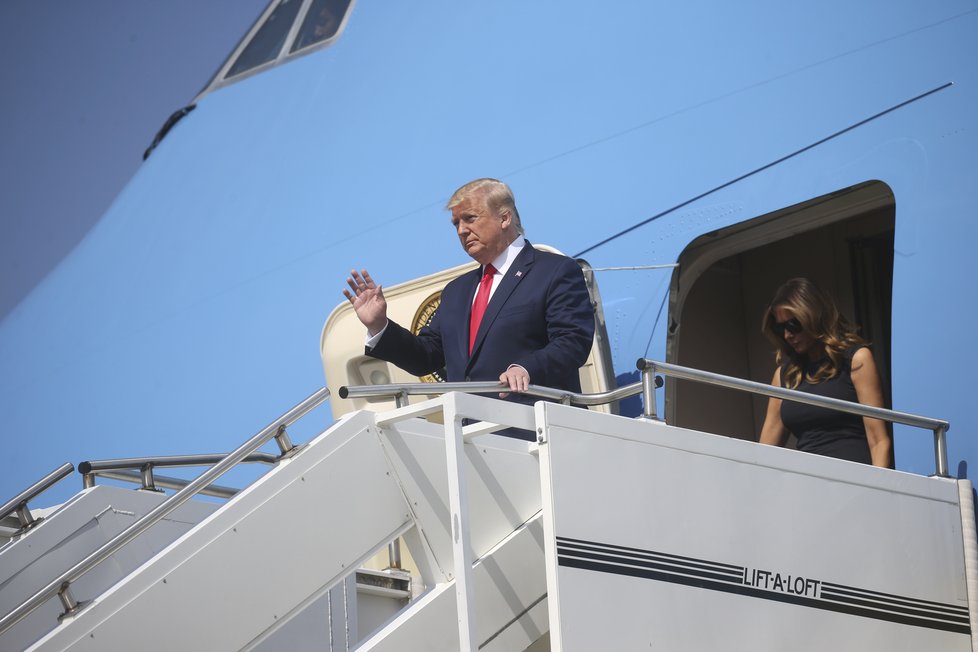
pixel 843 242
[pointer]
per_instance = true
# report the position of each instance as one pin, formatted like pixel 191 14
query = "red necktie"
pixel 481 301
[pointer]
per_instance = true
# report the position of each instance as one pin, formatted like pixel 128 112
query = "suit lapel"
pixel 514 275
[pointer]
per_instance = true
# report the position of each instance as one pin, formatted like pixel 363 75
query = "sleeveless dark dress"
pixel 823 431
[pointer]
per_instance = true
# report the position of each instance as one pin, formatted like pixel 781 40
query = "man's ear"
pixel 507 218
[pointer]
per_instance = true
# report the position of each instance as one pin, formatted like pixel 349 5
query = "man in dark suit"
pixel 524 316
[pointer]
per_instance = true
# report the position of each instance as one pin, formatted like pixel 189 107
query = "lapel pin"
pixel 519 273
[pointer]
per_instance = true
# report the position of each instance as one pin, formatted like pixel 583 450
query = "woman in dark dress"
pixel 819 352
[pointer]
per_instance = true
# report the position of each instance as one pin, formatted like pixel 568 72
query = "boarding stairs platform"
pixel 607 533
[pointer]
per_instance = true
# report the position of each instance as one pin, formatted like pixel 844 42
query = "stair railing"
pixel 18 504
pixel 938 426
pixel 61 586
pixel 140 470
pixel 400 392
pixel 647 386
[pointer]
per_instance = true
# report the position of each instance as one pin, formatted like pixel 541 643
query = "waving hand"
pixel 368 300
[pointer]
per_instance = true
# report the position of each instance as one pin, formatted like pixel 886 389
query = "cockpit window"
pixel 321 23
pixel 267 42
pixel 286 29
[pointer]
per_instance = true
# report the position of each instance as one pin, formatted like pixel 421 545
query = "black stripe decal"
pixel 841 590
pixel 652 562
pixel 728 578
pixel 567 542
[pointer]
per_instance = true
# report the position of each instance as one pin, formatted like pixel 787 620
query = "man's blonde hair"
pixel 499 198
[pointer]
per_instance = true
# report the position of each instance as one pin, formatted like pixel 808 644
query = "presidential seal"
pixel 421 319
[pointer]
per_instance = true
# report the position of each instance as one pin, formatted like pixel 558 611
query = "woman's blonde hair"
pixel 819 317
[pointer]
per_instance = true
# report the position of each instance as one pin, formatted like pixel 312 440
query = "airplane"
pixel 693 156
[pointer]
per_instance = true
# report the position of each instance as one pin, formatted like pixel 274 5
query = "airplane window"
pixel 286 29
pixel 267 43
pixel 322 21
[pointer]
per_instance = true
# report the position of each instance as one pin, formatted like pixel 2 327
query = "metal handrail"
pixel 19 502
pixel 166 482
pixel 121 463
pixel 148 479
pixel 61 585
pixel 647 387
pixel 400 391
pixel 938 426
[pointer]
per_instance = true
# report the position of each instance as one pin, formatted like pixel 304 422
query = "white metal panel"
pixel 504 487
pixel 531 627
pixel 427 624
pixel 258 561
pixel 310 630
pixel 466 495
pixel 373 611
pixel 674 539
pixel 966 493
pixel 92 517
pixel 509 596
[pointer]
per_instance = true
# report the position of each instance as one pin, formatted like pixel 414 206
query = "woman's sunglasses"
pixel 792 326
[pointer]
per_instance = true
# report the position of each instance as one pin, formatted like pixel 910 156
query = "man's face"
pixel 484 233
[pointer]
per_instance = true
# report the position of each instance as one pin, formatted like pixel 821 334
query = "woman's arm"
pixel 773 431
pixel 869 391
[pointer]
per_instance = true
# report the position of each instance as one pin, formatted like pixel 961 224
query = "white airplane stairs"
pixel 608 533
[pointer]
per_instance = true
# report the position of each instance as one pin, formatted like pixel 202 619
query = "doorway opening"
pixel 842 241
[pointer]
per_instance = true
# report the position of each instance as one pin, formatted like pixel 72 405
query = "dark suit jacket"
pixel 539 317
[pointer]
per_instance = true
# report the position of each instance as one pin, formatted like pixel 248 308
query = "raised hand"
pixel 368 301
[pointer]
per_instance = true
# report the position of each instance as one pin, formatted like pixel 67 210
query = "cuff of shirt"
pixel 373 339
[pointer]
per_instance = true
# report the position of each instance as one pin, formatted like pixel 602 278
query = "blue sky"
pixel 126 349
pixel 86 85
